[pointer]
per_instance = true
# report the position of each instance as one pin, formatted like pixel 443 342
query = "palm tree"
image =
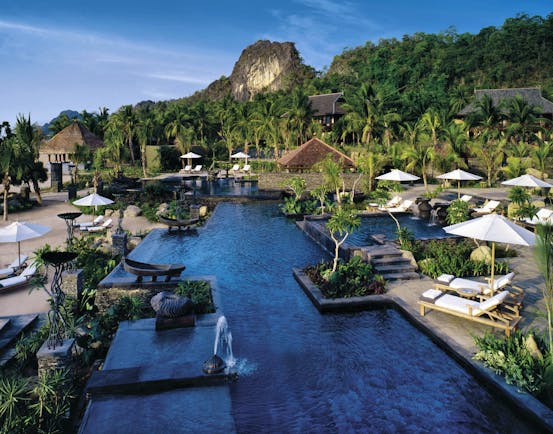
pixel 125 120
pixel 491 155
pixel 419 157
pixel 455 136
pixel 143 135
pixel 544 258
pixel 523 118
pixel 372 163
pixel 27 142
pixel 541 155
pixel 430 122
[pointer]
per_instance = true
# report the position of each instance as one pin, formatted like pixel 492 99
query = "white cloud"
pixel 179 78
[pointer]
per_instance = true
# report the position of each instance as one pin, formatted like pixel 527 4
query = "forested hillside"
pixel 429 70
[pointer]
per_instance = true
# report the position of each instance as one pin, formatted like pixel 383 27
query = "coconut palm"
pixel 143 134
pixel 419 158
pixel 125 120
pixel 490 155
pixel 541 156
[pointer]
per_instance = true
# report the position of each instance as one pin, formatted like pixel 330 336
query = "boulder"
pixel 203 211
pixel 133 211
pixel 512 208
pixel 482 253
pixel 532 347
pixel 133 242
pixel 409 255
pixel 162 208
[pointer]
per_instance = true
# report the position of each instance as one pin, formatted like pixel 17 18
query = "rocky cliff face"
pixel 262 67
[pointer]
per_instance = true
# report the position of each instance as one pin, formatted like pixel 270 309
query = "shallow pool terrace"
pixel 216 187
pixel 383 224
pixel 301 371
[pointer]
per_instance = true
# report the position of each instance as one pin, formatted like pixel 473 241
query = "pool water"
pixel 384 224
pixel 306 372
pixel 218 187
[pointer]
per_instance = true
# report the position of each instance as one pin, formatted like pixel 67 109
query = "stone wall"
pixel 106 297
pixel 278 181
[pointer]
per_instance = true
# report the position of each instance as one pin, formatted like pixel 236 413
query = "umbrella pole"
pixel 458 189
pixel 492 284
pixel 19 253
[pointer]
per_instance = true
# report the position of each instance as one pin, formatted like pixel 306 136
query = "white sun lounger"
pixel 186 169
pixel 543 216
pixel 22 279
pixel 486 312
pixel 197 168
pixel 448 281
pixel 466 197
pixel 488 208
pixel 95 222
pixel 14 266
pixel 402 207
pixel 101 227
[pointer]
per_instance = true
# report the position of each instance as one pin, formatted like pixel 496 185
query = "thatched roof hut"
pixel 327 108
pixel 60 147
pixel 532 95
pixel 310 153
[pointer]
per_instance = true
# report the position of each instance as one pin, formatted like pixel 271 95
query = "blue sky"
pixel 61 54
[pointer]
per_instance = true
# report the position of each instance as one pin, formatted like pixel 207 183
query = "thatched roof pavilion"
pixel 532 95
pixel 310 153
pixel 61 147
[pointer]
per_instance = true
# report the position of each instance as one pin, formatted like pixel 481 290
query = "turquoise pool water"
pixel 306 372
pixel 218 187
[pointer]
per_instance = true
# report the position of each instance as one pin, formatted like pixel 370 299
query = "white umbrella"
pixel 94 200
pixel 241 155
pixel 527 181
pixel 459 175
pixel 494 228
pixel 189 156
pixel 21 231
pixel 397 175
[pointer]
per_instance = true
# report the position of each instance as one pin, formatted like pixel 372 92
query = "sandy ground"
pixel 21 301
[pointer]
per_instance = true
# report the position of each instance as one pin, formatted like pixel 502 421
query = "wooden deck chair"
pixel 488 207
pixel 22 279
pixel 543 216
pixel 402 207
pixel 486 312
pixel 197 168
pixel 101 227
pixel 15 265
pixel 97 220
pixel 466 198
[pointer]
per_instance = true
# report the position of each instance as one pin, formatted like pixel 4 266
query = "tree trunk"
pixel 129 142
pixel 143 159
pixel 36 188
pixel 6 202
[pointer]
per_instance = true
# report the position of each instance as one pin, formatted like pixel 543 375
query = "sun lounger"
pixel 402 207
pixel 488 312
pixel 235 168
pixel 101 227
pixel 543 216
pixel 466 197
pixel 22 279
pixel 15 265
pixel 95 222
pixel 197 168
pixel 186 169
pixel 488 208
pixel 246 168
pixel 464 287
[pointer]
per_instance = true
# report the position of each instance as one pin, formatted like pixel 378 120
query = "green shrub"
pixel 199 291
pixel 351 279
pixel 511 358
pixel 457 212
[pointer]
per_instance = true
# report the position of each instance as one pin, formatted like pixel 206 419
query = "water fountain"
pixel 433 217
pixel 223 345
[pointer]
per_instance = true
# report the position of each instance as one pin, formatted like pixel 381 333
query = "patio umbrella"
pixel 189 156
pixel 494 228
pixel 241 155
pixel 459 175
pixel 397 175
pixel 527 181
pixel 21 231
pixel 94 200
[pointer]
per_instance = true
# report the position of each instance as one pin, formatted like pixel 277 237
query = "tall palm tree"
pixel 419 158
pixel 455 136
pixel 7 159
pixel 523 118
pixel 491 155
pixel 143 134
pixel 125 120
pixel 541 156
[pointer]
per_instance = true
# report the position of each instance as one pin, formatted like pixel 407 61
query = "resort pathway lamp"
pixel 21 231
pixel 459 175
pixel 494 228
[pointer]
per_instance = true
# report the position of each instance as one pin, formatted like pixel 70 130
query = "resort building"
pixel 327 109
pixel 310 153
pixel 531 95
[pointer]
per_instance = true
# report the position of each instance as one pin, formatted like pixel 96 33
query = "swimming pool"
pixel 306 372
pixel 217 187
pixel 384 224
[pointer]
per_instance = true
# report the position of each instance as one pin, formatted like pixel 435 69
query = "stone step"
pixel 403 267
pixel 19 325
pixel 401 276
pixel 388 260
pixel 4 324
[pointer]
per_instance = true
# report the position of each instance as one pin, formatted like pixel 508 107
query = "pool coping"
pixel 531 408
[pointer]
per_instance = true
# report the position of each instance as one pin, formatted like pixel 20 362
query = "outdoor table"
pixel 69 218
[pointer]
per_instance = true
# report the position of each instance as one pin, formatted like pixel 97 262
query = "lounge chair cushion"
pixel 432 294
pixel 12 281
pixel 481 287
pixel 458 304
pixel 445 278
pixel 504 281
pixel 496 300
